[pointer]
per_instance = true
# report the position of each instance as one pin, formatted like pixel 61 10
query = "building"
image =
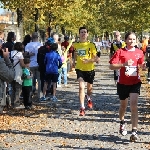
pixel 5 21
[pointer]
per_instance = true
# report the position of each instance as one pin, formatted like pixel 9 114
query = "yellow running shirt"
pixel 84 50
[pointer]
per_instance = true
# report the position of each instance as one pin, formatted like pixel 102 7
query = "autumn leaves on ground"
pixel 31 123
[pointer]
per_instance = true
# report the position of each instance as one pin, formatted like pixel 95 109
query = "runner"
pixel 98 44
pixel 114 47
pixel 85 56
pixel 127 60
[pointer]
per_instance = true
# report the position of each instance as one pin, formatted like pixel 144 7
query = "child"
pixel 53 62
pixel 27 84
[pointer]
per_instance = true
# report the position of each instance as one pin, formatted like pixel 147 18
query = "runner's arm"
pixel 116 66
pixel 120 65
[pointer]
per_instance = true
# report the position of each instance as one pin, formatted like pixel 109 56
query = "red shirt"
pixel 128 75
pixel 65 44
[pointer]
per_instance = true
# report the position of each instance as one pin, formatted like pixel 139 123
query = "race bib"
pixel 81 52
pixel 131 71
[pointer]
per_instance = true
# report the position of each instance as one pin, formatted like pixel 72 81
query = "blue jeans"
pixel 64 73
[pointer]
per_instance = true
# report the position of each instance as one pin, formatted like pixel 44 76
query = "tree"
pixel 98 15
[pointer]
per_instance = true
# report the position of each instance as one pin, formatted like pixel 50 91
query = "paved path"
pixel 61 128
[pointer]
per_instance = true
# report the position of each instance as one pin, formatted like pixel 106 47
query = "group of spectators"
pixel 30 67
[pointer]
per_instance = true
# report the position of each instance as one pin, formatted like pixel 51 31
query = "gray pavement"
pixel 59 127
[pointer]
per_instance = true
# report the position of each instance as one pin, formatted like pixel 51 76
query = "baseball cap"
pixel 50 40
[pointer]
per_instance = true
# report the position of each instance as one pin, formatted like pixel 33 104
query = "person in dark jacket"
pixel 40 59
pixel 53 62
pixel 11 37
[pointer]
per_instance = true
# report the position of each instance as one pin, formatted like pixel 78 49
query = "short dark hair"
pixel 83 28
pixel 26 61
pixel 54 46
pixel 128 33
pixel 10 36
pixel 18 46
pixel 66 38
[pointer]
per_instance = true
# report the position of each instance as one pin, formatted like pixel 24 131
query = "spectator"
pixel 71 50
pixel 11 37
pixel 53 62
pixel 27 39
pixel 40 59
pixel 32 49
pixel 27 84
pixel 17 56
pixel 63 69
pixel 7 74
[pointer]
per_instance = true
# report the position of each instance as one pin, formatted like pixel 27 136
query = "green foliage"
pixel 98 15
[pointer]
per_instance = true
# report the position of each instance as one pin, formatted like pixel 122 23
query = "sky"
pixel 1 10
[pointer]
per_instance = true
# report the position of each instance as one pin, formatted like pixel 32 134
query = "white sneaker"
pixel 58 85
pixel 123 130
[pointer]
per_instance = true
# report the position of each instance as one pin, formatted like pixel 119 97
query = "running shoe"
pixel 122 130
pixel 82 112
pixel 89 102
pixel 133 137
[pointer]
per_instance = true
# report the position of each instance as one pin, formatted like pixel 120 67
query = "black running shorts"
pixel 87 76
pixel 125 90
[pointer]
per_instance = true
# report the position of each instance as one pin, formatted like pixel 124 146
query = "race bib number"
pixel 131 71
pixel 81 52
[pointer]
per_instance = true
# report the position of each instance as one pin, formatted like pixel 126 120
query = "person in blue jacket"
pixel 53 62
